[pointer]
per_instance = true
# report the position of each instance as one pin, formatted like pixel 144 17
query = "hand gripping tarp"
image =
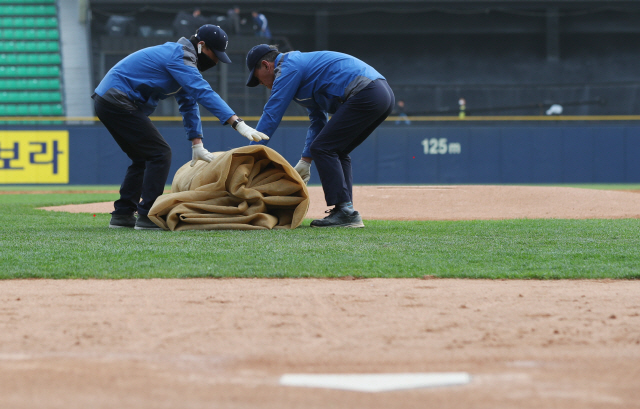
pixel 246 188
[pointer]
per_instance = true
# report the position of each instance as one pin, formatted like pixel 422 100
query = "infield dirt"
pixel 470 202
pixel 204 343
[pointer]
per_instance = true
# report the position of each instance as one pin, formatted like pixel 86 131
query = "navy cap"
pixel 254 55
pixel 216 39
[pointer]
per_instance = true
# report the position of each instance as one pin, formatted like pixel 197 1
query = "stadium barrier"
pixel 425 153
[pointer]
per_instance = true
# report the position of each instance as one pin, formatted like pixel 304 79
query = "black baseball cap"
pixel 253 56
pixel 216 39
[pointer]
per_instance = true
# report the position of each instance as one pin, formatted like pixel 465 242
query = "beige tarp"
pixel 247 188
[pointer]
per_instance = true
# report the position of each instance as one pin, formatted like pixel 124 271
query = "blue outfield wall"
pixel 425 154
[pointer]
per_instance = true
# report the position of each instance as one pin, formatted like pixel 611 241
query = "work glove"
pixel 198 152
pixel 304 170
pixel 250 133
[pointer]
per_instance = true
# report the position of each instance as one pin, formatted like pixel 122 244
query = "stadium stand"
pixel 505 57
pixel 228 80
pixel 30 61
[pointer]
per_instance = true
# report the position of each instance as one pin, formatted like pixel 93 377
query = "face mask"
pixel 204 62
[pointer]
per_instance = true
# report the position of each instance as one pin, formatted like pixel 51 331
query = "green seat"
pixel 8 110
pixel 46 110
pixel 7 46
pixel 29 59
pixel 27 10
pixel 48 71
pixel 37 71
pixel 52 46
pixel 58 110
pixel 36 97
pixel 18 22
pixel 29 34
pixel 30 97
pixel 7 34
pixel 8 72
pixel 42 10
pixel 6 97
pixel 46 34
pixel 42 22
pixel 27 1
pixel 50 59
pixel 28 46
pixel 22 71
pixel 31 84
pixel 28 22
pixel 17 84
pixel 51 110
pixel 51 84
pixel 22 110
pixel 13 85
pixel 50 34
pixel 40 96
pixel 33 46
pixel 6 22
pixel 16 97
pixel 54 96
pixel 34 84
pixel 8 59
pixel 33 109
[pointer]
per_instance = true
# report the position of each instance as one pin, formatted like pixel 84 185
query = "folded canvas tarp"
pixel 247 188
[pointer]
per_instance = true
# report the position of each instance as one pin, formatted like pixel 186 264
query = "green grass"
pixel 39 244
pixel 48 188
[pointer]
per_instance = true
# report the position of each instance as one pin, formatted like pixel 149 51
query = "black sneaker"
pixel 339 218
pixel 144 223
pixel 122 220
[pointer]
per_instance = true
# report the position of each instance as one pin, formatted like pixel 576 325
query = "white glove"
pixel 200 153
pixel 250 133
pixel 304 170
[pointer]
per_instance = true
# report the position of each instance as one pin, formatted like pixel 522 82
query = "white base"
pixel 376 382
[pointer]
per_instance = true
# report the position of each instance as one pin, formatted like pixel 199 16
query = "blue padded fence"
pixel 424 154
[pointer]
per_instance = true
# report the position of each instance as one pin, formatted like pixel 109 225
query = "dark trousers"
pixel 352 123
pixel 149 152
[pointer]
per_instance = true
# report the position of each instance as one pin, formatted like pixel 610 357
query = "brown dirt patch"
pixel 463 203
pixel 204 343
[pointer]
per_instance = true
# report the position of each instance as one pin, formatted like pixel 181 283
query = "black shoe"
pixel 339 218
pixel 144 223
pixel 122 220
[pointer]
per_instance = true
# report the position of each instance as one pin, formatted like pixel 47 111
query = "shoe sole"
pixel 114 226
pixel 147 228
pixel 353 225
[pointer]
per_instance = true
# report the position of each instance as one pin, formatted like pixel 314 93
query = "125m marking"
pixel 439 146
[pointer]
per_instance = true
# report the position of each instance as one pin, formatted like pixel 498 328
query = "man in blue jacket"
pixel 130 92
pixel 324 82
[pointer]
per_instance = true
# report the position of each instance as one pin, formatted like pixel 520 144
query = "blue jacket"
pixel 319 81
pixel 143 78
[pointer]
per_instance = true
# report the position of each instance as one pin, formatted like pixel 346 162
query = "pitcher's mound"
pixel 466 202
